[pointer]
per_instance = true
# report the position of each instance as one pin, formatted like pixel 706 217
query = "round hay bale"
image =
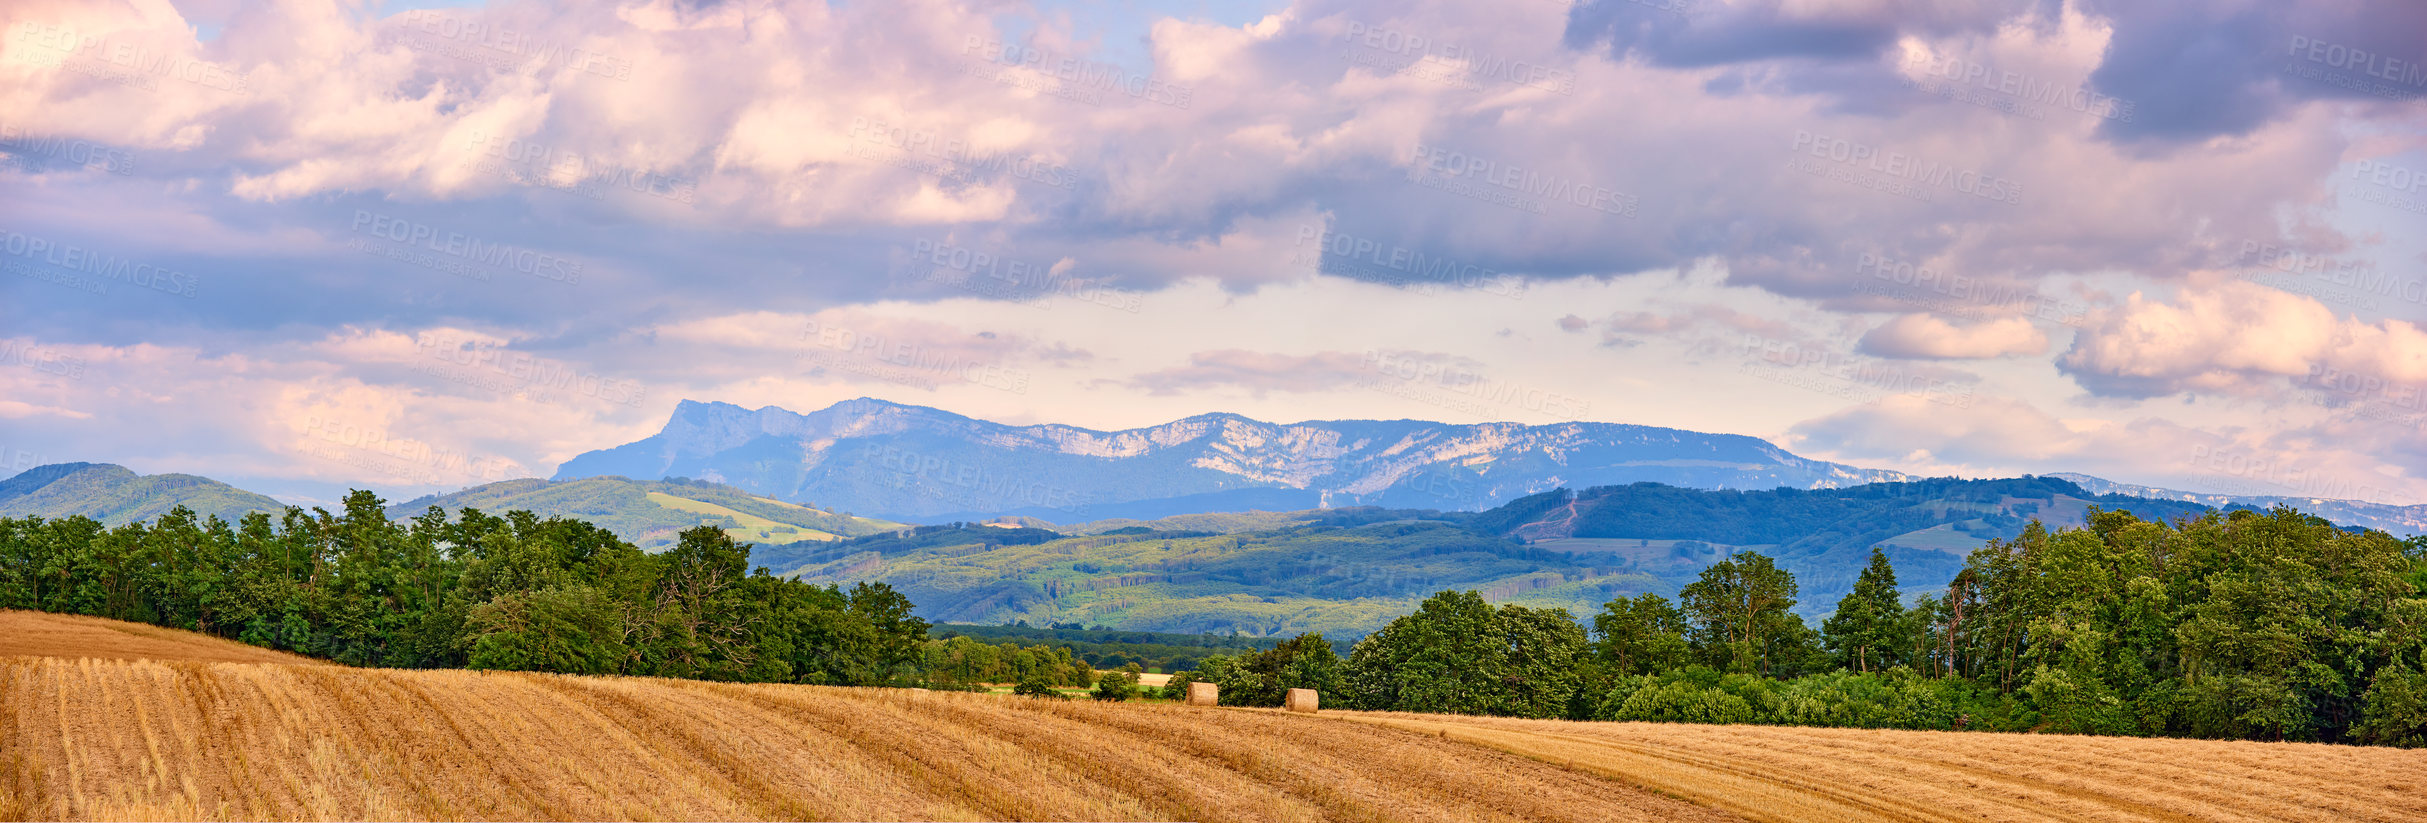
pixel 1301 700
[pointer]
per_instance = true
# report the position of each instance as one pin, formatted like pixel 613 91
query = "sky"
pixel 305 246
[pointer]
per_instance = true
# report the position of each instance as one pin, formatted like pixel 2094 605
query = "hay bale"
pixel 1204 694
pixel 1301 700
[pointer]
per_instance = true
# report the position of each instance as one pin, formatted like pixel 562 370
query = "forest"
pixel 484 592
pixel 2237 625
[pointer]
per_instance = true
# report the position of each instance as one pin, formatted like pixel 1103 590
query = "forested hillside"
pixel 1346 571
pixel 650 513
pixel 116 495
pixel 1823 535
pixel 1346 574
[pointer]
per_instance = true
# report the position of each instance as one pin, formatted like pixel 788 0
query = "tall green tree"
pixel 1869 629
pixel 1738 609
pixel 1645 635
pixel 1456 654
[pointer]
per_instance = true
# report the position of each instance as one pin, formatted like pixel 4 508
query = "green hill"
pixel 651 512
pixel 1338 575
pixel 1345 572
pixel 115 495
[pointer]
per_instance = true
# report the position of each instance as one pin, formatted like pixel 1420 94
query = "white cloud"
pixel 2240 338
pixel 1928 337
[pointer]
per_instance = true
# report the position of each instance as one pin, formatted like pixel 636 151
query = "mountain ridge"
pixel 933 465
pixel 650 513
pixel 116 495
pixel 2395 519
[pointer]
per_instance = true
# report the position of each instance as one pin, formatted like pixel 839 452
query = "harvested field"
pixel 1793 774
pixel 36 634
pixel 176 739
pixel 88 733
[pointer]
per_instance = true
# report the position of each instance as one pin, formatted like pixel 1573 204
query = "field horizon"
pixel 109 720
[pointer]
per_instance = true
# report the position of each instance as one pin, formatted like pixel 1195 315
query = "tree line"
pixel 1107 649
pixel 516 592
pixel 2251 625
pixel 2274 625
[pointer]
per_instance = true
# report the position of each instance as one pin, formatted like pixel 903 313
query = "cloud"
pixel 1922 336
pixel 1701 34
pixel 2240 338
pixel 722 175
pixel 2250 64
pixel 1707 323
pixel 2003 437
pixel 1263 372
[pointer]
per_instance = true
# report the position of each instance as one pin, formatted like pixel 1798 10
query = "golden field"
pixel 106 720
pixel 1793 774
pixel 177 739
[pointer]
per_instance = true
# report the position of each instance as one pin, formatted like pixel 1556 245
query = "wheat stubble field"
pixel 1778 773
pixel 103 720
pixel 84 738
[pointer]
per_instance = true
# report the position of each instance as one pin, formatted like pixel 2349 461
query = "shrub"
pixel 1118 686
pixel 1038 685
pixel 1177 687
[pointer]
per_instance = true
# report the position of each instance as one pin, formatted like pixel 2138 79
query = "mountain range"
pixel 1221 523
pixel 923 465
